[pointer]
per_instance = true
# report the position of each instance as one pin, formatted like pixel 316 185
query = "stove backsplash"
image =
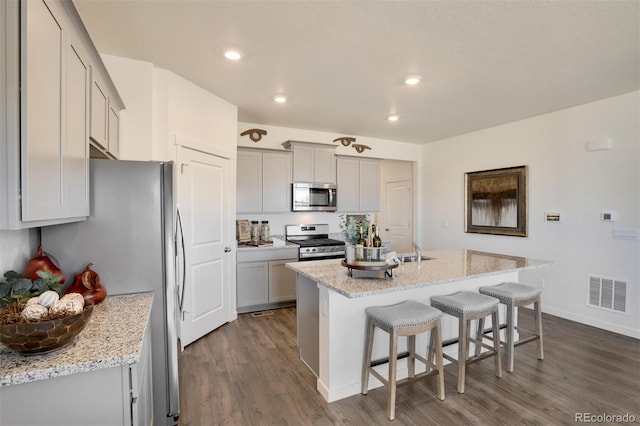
pixel 277 222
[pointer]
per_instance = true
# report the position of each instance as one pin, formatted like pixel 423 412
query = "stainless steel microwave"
pixel 314 197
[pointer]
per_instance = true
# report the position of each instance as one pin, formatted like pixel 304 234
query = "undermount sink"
pixel 413 258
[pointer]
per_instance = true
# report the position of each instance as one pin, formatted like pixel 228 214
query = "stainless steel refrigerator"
pixel 130 239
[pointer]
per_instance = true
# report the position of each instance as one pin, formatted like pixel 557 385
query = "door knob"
pixel 227 249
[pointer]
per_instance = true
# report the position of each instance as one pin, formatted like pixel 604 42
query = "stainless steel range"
pixel 314 242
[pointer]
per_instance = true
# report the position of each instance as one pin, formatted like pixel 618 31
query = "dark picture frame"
pixel 496 201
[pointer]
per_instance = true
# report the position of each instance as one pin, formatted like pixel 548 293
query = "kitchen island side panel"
pixel 307 308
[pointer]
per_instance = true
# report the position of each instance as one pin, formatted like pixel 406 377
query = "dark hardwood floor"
pixel 248 373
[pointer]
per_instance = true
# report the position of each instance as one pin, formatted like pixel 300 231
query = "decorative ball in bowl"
pixel 46 335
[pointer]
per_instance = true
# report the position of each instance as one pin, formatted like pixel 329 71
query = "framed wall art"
pixel 496 201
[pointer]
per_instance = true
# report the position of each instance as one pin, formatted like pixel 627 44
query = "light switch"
pixel 552 217
pixel 609 216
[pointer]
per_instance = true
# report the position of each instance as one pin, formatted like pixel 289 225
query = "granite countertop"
pixel 446 266
pixel 113 337
pixel 286 244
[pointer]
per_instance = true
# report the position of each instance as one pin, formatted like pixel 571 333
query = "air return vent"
pixel 607 293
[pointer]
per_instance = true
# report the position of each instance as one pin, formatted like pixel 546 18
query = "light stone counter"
pixel 331 308
pixel 113 337
pixel 446 266
pixel 274 246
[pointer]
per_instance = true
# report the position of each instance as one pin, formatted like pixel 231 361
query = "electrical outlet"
pixel 541 282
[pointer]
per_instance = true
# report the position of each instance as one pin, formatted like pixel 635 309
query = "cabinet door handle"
pixel 227 249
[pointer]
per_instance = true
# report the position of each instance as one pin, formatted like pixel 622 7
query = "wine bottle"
pixel 360 245
pixel 377 241
pixel 361 239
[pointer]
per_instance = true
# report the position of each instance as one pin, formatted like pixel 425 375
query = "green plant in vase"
pixel 18 289
pixel 349 226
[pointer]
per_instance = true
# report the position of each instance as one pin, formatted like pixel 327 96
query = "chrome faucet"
pixel 418 254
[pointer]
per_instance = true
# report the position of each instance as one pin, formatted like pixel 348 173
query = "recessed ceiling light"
pixel 280 99
pixel 393 117
pixel 232 54
pixel 412 80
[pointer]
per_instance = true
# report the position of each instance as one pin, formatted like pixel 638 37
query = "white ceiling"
pixel 342 63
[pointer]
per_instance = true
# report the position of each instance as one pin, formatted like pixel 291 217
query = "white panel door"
pixel 399 208
pixel 203 200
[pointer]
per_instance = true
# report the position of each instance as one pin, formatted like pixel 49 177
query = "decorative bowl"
pixel 43 336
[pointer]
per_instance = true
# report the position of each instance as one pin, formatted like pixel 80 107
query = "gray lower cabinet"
pixel 119 395
pixel 262 279
pixel 253 283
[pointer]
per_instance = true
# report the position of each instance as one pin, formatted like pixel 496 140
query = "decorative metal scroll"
pixel 254 134
pixel 360 148
pixel 345 141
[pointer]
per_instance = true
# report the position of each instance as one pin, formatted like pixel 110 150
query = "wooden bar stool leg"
pixel 366 363
pixel 510 336
pixel 391 384
pixel 463 350
pixel 479 334
pixel 411 343
pixel 496 342
pixel 538 315
pixel 431 350
pixel 436 341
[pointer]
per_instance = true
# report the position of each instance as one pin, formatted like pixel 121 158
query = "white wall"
pixel 160 104
pixel 563 177
pixel 16 248
pixel 274 138
pixel 134 81
pixel 207 120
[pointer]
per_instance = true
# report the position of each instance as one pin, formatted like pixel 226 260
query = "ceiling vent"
pixel 607 293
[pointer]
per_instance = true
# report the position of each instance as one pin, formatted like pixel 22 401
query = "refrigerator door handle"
pixel 184 259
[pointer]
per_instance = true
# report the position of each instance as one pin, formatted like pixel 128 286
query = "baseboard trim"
pixel 605 325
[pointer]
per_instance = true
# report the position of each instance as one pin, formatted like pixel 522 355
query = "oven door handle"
pixel 332 255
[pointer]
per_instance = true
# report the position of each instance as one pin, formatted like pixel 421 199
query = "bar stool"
pixel 407 318
pixel 467 306
pixel 515 295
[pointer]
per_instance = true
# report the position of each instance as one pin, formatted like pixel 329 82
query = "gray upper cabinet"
pixel 105 110
pixel 113 135
pixel 249 181
pixel 263 181
pixel 48 61
pixel 312 162
pixel 276 182
pixel 358 184
pixel 99 114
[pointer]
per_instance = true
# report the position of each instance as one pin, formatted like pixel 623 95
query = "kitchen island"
pixel 102 377
pixel 331 308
